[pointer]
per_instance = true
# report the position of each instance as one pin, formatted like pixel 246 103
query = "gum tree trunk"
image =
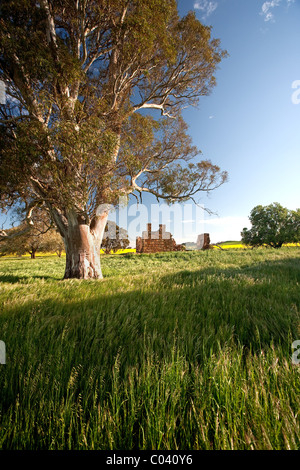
pixel 82 244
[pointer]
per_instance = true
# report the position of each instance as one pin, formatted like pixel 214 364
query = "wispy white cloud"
pixel 206 6
pixel 268 7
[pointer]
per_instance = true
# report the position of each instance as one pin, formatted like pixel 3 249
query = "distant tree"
pixel 25 243
pixel 295 221
pixel 52 242
pixel 79 77
pixel 114 239
pixel 30 241
pixel 272 226
pixel 27 239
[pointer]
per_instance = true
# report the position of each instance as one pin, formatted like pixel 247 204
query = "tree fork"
pixel 83 244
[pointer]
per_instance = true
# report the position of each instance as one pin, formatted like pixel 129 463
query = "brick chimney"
pixel 160 231
pixel 149 231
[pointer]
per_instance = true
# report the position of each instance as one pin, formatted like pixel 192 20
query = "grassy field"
pixel 171 351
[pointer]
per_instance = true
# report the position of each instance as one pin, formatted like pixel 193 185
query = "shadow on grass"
pixel 250 307
pixel 11 279
pixel 284 270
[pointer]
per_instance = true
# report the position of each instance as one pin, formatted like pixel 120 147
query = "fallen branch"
pixel 218 246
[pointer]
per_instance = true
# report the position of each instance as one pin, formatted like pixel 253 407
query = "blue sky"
pixel 249 125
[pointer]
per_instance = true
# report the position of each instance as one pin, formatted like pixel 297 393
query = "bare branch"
pixel 28 221
pixel 153 106
pixel 51 33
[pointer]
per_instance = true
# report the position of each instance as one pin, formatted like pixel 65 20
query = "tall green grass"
pixel 171 351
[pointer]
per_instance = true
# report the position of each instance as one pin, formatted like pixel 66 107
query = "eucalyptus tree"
pixel 94 94
pixel 272 225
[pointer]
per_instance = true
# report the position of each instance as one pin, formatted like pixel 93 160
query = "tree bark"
pixel 82 244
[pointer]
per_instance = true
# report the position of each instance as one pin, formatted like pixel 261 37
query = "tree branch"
pixel 28 221
pixel 161 107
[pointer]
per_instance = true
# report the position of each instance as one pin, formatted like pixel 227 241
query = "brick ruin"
pixel 156 242
pixel 203 241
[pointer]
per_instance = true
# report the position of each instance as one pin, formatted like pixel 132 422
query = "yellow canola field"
pixel 236 246
pixel 228 247
pixel 119 252
pixel 239 246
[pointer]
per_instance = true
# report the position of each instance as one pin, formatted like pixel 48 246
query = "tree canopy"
pixel 272 225
pixel 80 77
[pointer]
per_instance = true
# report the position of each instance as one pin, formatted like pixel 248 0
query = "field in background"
pixel 239 245
pixel 188 350
pixel 229 245
pixel 38 254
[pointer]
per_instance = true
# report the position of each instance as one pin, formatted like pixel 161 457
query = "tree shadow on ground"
pixel 13 279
